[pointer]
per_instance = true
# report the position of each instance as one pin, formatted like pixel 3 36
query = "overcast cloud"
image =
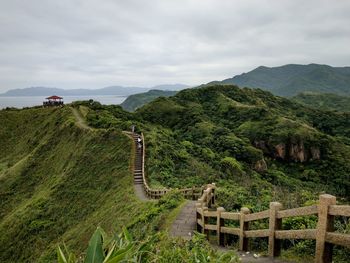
pixel 97 43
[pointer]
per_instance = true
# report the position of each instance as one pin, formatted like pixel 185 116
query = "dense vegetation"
pixel 289 80
pixel 138 100
pixel 58 182
pixel 324 101
pixel 255 146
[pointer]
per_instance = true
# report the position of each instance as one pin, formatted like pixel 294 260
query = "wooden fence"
pixel 324 234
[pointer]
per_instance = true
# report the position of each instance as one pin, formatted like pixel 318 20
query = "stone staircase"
pixel 138 169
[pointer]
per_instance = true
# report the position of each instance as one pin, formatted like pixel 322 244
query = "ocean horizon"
pixel 31 101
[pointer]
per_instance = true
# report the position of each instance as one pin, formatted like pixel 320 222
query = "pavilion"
pixel 53 101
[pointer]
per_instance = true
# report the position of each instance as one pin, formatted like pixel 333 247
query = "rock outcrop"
pixel 260 166
pixel 291 151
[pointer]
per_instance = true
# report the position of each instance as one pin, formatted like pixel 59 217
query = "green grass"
pixel 58 182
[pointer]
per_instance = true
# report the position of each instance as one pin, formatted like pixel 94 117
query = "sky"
pixel 97 43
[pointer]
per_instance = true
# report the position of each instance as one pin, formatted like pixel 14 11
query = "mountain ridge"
pixel 110 90
pixel 291 79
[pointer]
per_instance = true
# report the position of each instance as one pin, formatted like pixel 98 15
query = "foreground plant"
pixel 121 248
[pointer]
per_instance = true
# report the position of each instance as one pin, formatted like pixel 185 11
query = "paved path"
pixel 250 258
pixel 185 223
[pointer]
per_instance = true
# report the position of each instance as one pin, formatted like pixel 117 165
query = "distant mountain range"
pixel 112 90
pixel 289 80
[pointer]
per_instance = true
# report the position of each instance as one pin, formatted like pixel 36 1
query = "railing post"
pixel 205 222
pixel 213 194
pixel 243 241
pixel 274 224
pixel 325 224
pixel 198 216
pixel 219 223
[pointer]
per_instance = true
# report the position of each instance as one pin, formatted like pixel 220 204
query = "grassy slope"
pixel 57 182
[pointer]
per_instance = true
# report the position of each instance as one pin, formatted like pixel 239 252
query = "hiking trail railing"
pixel 324 234
pixel 326 210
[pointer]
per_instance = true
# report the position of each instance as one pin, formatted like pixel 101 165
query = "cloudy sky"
pixel 97 43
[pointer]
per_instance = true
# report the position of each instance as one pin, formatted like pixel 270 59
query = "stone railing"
pixel 324 234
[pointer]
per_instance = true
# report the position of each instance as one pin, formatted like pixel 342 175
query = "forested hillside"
pixel 324 101
pixel 263 144
pixel 289 80
pixel 255 145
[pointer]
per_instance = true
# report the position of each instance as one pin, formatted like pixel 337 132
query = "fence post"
pixel 219 223
pixel 325 224
pixel 213 194
pixel 243 241
pixel 198 216
pixel 274 224
pixel 205 222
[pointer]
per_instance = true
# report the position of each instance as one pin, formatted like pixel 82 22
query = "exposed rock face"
pixel 280 151
pixel 291 151
pixel 260 166
pixel 315 153
pixel 297 152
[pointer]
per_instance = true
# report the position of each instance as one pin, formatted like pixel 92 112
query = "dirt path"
pixel 79 120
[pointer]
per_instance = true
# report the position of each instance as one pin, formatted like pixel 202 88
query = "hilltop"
pixel 135 101
pixel 291 79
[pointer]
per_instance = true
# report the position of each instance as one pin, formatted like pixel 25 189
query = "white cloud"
pixel 91 43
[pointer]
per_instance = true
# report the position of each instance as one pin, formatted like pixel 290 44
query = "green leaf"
pixel 110 252
pixel 120 254
pixel 127 234
pixel 94 252
pixel 60 256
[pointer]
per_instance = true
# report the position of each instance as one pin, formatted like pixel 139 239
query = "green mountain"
pixel 289 80
pixel 253 144
pixel 324 101
pixel 135 101
pixel 249 139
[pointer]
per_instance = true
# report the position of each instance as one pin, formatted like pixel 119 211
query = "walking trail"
pixel 138 170
pixel 79 119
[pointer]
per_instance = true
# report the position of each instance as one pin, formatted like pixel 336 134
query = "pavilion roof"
pixel 54 97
